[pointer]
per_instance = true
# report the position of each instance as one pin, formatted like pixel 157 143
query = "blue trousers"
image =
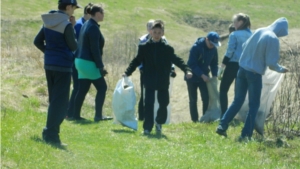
pixel 245 81
pixel 74 92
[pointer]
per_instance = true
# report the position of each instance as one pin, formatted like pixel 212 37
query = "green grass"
pixel 104 145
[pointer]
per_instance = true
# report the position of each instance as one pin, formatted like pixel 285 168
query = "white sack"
pixel 123 104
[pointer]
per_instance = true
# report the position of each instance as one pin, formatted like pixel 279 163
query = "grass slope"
pixel 103 145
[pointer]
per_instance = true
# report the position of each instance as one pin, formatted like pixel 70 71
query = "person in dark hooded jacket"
pixel 57 41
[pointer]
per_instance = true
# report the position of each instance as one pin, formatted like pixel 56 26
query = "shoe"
pixel 221 132
pixel 243 139
pixel 104 118
pixel 158 127
pixel 69 118
pixel 146 132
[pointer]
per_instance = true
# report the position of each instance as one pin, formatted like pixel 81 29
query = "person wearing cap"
pixel 203 59
pixel 56 40
pixel 144 39
pixel 230 65
pixel 89 64
pixel 77 26
pixel 260 51
pixel 157 58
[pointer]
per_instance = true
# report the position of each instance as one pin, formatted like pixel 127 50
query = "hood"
pixel 200 40
pixel 279 27
pixel 54 18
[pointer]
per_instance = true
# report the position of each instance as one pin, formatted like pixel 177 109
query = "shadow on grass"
pixel 84 122
pixel 126 131
pixel 40 140
pixel 157 136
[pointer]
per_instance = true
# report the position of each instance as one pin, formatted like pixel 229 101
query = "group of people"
pixel 75 49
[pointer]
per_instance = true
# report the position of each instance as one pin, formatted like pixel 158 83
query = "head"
pixel 96 11
pixel 212 40
pixel 231 28
pixel 157 30
pixel 85 14
pixel 241 21
pixel 68 6
pixel 149 25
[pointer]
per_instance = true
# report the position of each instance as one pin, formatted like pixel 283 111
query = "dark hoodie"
pixel 202 60
pixel 56 40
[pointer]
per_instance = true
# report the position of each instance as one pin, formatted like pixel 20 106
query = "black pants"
pixel 141 107
pixel 58 90
pixel 229 75
pixel 74 92
pixel 192 89
pixel 84 86
pixel 162 112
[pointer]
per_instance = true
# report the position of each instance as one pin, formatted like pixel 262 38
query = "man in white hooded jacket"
pixel 259 51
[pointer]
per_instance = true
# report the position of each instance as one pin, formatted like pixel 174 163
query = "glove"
pixel 103 72
pixel 220 73
pixel 173 74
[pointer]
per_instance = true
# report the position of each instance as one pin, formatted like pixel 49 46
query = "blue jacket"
pixel 91 43
pixel 78 26
pixel 235 42
pixel 262 48
pixel 202 60
pixel 56 50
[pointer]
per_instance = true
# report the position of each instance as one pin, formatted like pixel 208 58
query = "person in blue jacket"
pixel 56 40
pixel 231 59
pixel 89 63
pixel 260 51
pixel 203 59
pixel 77 28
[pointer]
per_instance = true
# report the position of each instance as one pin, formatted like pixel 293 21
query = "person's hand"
pixel 285 70
pixel 205 78
pixel 173 74
pixel 103 72
pixel 189 75
pixel 72 20
pixel 124 75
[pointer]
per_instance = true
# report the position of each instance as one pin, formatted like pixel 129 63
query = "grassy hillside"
pixel 24 97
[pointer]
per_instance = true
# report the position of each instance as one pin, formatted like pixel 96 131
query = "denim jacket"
pixel 235 43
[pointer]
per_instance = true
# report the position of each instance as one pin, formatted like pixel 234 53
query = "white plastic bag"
pixel 156 105
pixel 123 104
pixel 213 112
pixel 271 83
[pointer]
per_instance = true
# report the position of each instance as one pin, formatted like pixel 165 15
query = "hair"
pixel 63 6
pixel 243 17
pixel 231 28
pixel 158 24
pixel 93 9
pixel 86 7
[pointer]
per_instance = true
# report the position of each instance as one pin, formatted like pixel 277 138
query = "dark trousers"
pixel 162 112
pixel 74 92
pixel 192 89
pixel 141 107
pixel 58 90
pixel 229 75
pixel 84 86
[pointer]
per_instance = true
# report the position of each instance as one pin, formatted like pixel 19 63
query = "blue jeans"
pixel 245 81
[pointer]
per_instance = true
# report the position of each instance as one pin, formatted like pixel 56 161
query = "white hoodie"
pixel 262 48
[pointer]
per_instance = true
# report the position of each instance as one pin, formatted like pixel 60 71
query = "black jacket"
pixel 91 42
pixel 157 59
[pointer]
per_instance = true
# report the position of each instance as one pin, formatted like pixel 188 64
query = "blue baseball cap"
pixel 214 38
pixel 73 2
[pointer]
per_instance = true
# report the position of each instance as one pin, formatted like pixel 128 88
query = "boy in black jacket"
pixel 157 58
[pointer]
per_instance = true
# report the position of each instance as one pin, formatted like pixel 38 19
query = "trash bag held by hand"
pixel 123 104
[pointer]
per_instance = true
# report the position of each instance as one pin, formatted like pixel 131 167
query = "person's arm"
pixel 214 64
pixel 193 61
pixel 70 37
pixel 94 36
pixel 179 62
pixel 39 40
pixel 232 43
pixel 135 62
pixel 272 56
